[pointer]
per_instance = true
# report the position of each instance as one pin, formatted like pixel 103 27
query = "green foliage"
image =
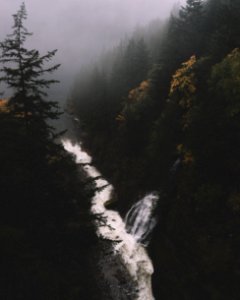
pixel 45 227
pixel 222 19
pixel 226 81
pixel 176 129
pixel 23 72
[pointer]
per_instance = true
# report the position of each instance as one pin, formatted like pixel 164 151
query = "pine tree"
pixel 223 24
pixel 23 71
pixel 136 63
pixel 190 23
pixel 186 36
pixel 192 10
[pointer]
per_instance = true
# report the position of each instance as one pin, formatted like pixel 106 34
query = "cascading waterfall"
pixel 124 264
pixel 140 219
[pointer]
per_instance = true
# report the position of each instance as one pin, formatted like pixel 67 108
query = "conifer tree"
pixel 23 71
pixel 192 9
pixel 190 23
pixel 136 63
pixel 223 21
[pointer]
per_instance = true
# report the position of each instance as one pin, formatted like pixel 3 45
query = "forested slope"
pixel 46 235
pixel 165 115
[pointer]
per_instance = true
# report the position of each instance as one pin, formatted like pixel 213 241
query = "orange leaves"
pixel 188 158
pixel 3 106
pixel 183 89
pixel 144 85
pixel 187 155
pixel 139 93
pixel 6 108
pixel 234 53
pixel 120 118
pixel 136 99
pixel 183 79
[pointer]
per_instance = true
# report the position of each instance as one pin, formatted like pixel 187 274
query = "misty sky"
pixel 81 29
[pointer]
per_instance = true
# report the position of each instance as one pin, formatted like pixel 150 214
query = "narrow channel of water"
pixel 124 263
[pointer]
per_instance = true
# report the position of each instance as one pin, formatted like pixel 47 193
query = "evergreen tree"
pixel 223 19
pixel 186 36
pixel 23 71
pixel 36 158
pixel 136 62
pixel 191 10
pixel 190 23
pixel 131 67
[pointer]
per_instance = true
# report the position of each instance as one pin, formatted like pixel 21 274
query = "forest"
pixel 44 219
pixel 159 112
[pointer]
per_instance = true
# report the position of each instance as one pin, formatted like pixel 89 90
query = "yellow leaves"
pixel 135 99
pixel 235 52
pixel 132 95
pixel 3 106
pixel 6 108
pixel 183 79
pixel 188 158
pixel 183 89
pixel 138 93
pixel 144 86
pixel 120 118
pixel 191 88
pixel 187 155
pixel 180 148
pixel 186 103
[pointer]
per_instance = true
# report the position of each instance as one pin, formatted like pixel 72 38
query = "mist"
pixel 122 180
pixel 81 30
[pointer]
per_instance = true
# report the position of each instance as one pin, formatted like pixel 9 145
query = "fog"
pixel 81 29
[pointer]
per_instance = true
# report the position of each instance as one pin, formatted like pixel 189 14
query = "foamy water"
pixel 126 241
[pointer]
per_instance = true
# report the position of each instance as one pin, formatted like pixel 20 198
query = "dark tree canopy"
pixel 25 74
pixel 159 112
pixel 176 130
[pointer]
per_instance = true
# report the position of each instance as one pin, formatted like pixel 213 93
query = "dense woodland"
pixel 45 228
pixel 159 112
pixel 162 112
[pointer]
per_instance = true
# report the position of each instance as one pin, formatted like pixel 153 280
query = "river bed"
pixel 124 264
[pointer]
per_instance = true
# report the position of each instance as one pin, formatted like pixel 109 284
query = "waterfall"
pixel 124 263
pixel 140 219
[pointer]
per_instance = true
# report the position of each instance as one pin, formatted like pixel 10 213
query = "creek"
pixel 124 265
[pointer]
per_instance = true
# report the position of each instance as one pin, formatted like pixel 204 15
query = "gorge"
pixel 124 263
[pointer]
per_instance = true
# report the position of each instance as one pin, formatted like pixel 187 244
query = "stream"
pixel 124 265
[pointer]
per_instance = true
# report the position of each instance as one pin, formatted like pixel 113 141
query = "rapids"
pixel 124 263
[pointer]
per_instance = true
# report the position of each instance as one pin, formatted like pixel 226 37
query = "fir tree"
pixel 136 60
pixel 23 71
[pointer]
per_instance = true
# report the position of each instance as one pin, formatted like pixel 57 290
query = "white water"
pixel 125 253
pixel 140 220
